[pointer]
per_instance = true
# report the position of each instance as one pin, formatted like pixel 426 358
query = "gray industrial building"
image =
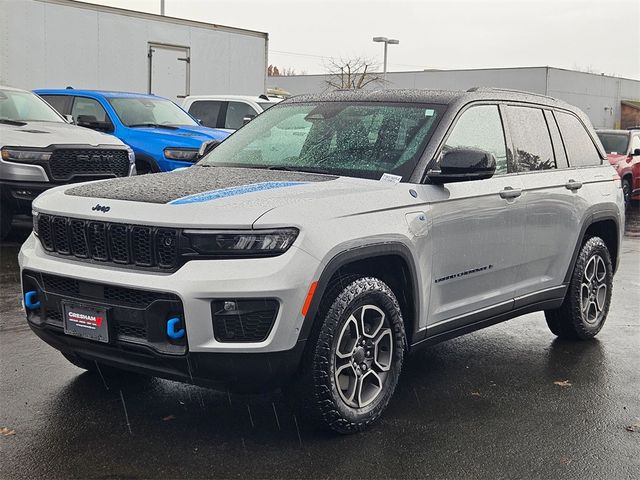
pixel 60 43
pixel 610 102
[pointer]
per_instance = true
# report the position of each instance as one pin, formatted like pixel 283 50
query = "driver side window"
pixel 480 127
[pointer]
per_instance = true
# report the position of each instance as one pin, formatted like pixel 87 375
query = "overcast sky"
pixel 600 36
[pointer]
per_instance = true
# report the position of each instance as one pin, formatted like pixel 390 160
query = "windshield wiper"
pixel 286 168
pixel 8 121
pixel 153 125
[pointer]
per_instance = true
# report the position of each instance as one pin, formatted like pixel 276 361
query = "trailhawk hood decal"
pixel 193 185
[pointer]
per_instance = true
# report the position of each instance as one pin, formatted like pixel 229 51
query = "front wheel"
pixel 353 363
pixel 586 304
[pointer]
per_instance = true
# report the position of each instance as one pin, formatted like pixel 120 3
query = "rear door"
pixel 551 221
pixel 556 177
pixel 477 229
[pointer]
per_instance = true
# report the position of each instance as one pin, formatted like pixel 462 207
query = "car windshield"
pixel 614 142
pixel 357 139
pixel 141 112
pixel 19 106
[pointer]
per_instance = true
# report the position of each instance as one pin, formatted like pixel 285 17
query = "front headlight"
pixel 244 243
pixel 183 154
pixel 25 155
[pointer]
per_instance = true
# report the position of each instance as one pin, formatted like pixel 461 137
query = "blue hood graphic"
pixel 231 192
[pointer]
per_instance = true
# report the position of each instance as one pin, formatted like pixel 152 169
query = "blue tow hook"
pixel 171 329
pixel 31 301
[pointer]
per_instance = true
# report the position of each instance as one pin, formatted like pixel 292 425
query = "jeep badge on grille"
pixel 101 208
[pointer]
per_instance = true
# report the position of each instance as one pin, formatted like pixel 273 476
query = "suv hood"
pixel 224 197
pixel 43 134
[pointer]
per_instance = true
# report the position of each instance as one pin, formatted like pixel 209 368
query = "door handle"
pixel 510 192
pixel 573 185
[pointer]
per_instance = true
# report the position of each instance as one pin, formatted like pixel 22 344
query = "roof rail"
pixel 512 90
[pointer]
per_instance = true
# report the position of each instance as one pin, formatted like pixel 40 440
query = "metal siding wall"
pixel 598 96
pixel 589 92
pixel 528 79
pixel 46 45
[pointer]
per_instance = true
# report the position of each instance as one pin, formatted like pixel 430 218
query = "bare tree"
pixel 351 73
pixel 274 71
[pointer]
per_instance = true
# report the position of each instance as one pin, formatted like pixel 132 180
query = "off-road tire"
pixel 569 320
pixel 314 391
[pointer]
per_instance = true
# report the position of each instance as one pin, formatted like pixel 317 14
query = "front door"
pixel 477 229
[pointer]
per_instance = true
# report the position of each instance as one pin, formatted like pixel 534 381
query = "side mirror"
pixel 636 152
pixel 462 165
pixel 247 119
pixel 206 147
pixel 89 121
pixel 70 119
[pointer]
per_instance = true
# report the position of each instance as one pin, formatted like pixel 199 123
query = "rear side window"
pixel 577 142
pixel 531 139
pixel 480 127
pixel 60 102
pixel 207 111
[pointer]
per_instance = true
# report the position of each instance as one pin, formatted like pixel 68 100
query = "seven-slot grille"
pixel 117 243
pixel 67 163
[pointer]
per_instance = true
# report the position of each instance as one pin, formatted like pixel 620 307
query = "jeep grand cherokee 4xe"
pixel 40 150
pixel 327 238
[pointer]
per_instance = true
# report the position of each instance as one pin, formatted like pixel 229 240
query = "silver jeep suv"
pixel 328 238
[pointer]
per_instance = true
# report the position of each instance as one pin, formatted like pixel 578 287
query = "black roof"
pixel 441 97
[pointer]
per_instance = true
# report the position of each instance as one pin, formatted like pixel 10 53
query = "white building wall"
pixel 56 43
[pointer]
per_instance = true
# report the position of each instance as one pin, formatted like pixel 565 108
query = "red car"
pixel 623 151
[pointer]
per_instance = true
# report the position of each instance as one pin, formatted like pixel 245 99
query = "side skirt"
pixel 545 300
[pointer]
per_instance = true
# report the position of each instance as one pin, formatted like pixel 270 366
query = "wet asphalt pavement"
pixel 509 401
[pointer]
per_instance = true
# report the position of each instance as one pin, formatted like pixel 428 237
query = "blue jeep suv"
pixel 162 135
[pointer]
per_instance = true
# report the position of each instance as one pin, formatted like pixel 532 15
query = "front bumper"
pixel 240 372
pixel 285 278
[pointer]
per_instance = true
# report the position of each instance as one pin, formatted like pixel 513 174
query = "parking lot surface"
pixel 510 401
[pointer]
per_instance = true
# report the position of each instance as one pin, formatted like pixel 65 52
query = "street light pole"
pixel 386 41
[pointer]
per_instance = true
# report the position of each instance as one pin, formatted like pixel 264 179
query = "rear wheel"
pixel 353 362
pixel 585 307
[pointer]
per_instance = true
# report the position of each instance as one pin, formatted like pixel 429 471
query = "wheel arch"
pixel 603 224
pixel 392 262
